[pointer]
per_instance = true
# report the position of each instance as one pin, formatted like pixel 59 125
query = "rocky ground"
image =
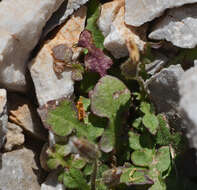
pixel 46 49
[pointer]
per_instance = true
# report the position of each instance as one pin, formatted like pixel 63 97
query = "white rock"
pixel 21 25
pixel 140 12
pixel 47 84
pixel 3 116
pixel 112 25
pixel 107 16
pixel 188 103
pixel 14 137
pixel 52 183
pixel 179 27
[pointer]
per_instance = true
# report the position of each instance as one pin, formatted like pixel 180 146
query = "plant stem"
pixel 93 176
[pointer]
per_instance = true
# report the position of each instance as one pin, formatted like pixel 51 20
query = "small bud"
pixel 84 148
pixel 62 53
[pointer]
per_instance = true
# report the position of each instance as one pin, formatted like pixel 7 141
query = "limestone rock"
pixel 18 40
pixel 140 12
pixel 164 92
pixel 179 27
pixel 47 84
pixel 108 14
pixel 22 112
pixel 14 137
pixel 52 183
pixel 116 32
pixel 3 116
pixel 18 171
pixel 188 103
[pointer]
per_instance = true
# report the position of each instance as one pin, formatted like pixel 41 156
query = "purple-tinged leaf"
pixel 95 59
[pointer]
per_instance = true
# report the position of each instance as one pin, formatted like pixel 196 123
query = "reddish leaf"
pixel 95 59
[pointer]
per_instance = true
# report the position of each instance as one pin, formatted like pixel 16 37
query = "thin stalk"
pixel 93 176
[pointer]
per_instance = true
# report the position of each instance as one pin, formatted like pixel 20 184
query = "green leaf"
pixel 95 126
pixel 110 99
pixel 145 107
pixel 137 123
pixel 62 150
pixel 151 122
pixel 85 51
pixel 142 157
pixel 163 159
pixel 109 96
pixel 53 163
pixel 79 178
pixel 77 162
pixel 56 158
pixel 135 175
pixel 159 183
pixel 163 136
pixel 134 141
pixel 63 123
pixel 92 17
pixel 74 179
pixel 88 169
pixel 69 182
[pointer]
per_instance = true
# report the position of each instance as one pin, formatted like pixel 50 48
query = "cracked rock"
pixel 164 92
pixel 47 84
pixel 179 27
pixel 139 12
pixel 18 171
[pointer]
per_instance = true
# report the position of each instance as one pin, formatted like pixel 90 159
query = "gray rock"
pixel 179 27
pixel 140 12
pixel 52 183
pixel 3 116
pixel 188 103
pixel 164 92
pixel 18 171
pixel 14 137
pixel 18 40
